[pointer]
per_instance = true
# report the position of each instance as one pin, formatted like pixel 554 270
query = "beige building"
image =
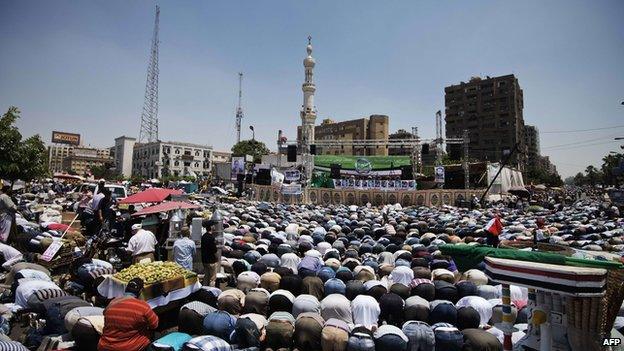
pixel 374 127
pixel 63 158
pixel 221 156
pixel 82 159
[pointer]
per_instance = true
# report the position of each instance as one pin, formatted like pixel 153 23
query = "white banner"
pixel 52 250
pixel 369 184
pixel 291 189
pixel 292 175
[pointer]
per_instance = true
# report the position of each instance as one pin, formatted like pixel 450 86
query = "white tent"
pixel 507 178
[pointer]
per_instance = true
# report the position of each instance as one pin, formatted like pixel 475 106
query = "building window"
pixel 177 151
pixel 177 163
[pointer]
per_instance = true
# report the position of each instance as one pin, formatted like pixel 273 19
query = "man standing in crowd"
pixel 209 254
pixel 142 245
pixel 184 249
pixel 7 213
pixel 128 322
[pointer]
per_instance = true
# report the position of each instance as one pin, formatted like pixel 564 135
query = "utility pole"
pixel 149 115
pixel 465 160
pixel 239 109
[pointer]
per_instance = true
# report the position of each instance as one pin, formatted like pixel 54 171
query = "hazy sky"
pixel 80 66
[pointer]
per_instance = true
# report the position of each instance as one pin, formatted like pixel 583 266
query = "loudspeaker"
pixel 292 153
pixel 263 177
pixel 313 149
pixel 455 151
pixel 406 173
pixel 335 170
pixel 425 149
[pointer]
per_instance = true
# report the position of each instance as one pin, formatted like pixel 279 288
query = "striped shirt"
pixel 128 323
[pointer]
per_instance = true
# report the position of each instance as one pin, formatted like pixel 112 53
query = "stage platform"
pixel 326 196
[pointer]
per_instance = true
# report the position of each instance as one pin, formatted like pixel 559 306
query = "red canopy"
pixel 151 195
pixel 165 207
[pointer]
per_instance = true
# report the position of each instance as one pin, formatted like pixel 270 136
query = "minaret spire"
pixel 308 111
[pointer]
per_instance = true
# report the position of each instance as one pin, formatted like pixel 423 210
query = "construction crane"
pixel 239 109
pixel 149 115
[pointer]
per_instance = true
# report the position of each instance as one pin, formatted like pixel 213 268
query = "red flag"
pixel 494 226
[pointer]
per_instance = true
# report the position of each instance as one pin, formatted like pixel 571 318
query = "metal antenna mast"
pixel 239 109
pixel 149 116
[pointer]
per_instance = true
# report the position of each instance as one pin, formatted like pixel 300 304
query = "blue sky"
pixel 81 66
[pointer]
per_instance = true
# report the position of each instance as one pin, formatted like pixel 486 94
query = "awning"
pixel 151 195
pixel 166 207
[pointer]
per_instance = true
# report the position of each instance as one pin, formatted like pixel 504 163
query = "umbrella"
pixel 165 207
pixel 519 191
pixel 150 195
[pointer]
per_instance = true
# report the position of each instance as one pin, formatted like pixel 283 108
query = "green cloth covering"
pixel 467 257
pixel 348 162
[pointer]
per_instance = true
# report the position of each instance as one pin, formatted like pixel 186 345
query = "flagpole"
pixel 500 168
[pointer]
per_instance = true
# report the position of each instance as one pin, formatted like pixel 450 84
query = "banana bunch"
pixel 152 272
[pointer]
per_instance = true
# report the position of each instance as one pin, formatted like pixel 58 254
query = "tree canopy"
pixel 20 159
pixel 254 148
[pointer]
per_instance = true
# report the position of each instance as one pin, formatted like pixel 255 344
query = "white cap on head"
pixel 136 226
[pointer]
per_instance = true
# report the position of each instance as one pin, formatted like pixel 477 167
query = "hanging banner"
pixel 238 167
pixel 439 174
pixel 291 189
pixel 368 184
pixel 292 175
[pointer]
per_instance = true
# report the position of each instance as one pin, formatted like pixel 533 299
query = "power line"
pixel 580 146
pixel 580 130
pixel 580 142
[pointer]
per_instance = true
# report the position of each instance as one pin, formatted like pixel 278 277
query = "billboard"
pixel 439 174
pixel 65 138
pixel 238 167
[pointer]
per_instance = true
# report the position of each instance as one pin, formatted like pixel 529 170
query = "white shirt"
pixel 365 311
pixel 11 255
pixel 142 242
pixel 28 287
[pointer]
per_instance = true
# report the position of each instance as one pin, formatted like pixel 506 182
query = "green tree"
pixel 254 148
pixel 593 175
pixel 580 179
pixel 20 159
pixel 609 163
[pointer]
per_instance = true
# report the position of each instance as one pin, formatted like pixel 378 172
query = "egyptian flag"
pixel 494 226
